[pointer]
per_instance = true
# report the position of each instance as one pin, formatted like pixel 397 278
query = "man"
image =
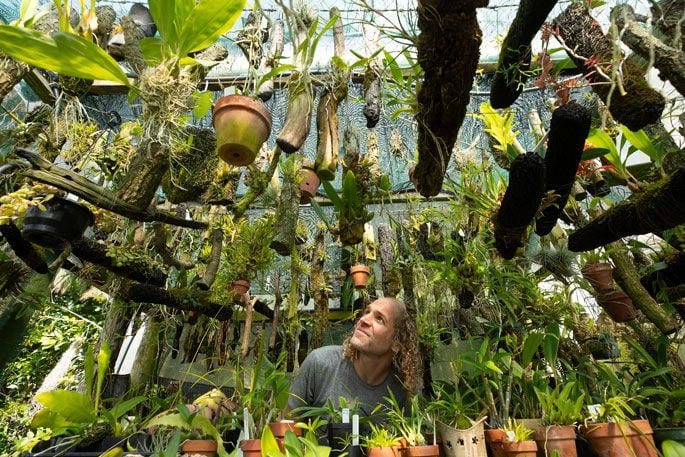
pixel 380 354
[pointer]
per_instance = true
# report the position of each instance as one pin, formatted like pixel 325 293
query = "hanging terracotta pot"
pixel 520 449
pixel 200 447
pixel 62 222
pixel 599 275
pixel 360 274
pixel 239 287
pixel 251 448
pixel 242 125
pixel 560 438
pixel 495 438
pixel 310 182
pixel 617 305
pixel 621 439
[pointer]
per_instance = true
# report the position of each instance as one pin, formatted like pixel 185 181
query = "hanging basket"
pixel 360 274
pixel 463 443
pixel 62 222
pixel 242 125
pixel 617 305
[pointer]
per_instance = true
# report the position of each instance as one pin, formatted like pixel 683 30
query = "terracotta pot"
pixel 411 174
pixel 62 222
pixel 495 439
pixel 617 439
pixel 617 305
pixel 251 448
pixel 520 449
pixel 310 182
pixel 360 274
pixel 239 287
pixel 560 438
pixel 382 452
pixel 200 447
pixel 429 450
pixel 599 275
pixel 242 125
pixel 280 428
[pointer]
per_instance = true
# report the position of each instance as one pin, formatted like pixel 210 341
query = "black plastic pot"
pixel 669 433
pixel 62 222
pixel 339 435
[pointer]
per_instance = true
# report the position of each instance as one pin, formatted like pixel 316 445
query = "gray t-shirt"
pixel 326 374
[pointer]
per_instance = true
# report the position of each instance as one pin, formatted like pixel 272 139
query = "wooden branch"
pixel 270 61
pixel 91 251
pixel 159 243
pixel 182 299
pixel 245 345
pixel 318 287
pixel 627 277
pixel 253 192
pixel 48 173
pixel 23 249
pixel 216 241
pixel 277 305
pixel 669 61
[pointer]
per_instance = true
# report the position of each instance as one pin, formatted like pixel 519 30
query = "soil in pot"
pixel 617 305
pixel 242 125
pixel 62 222
pixel 556 438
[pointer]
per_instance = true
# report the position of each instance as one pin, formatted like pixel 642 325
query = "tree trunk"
pixel 145 366
pixel 144 176
pixel 114 328
pixel 627 277
pixel 319 288
pixel 391 279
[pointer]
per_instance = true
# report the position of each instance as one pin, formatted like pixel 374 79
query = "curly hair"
pixel 407 360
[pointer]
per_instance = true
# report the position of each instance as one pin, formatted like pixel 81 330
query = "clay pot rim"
pixel 360 268
pixel 243 102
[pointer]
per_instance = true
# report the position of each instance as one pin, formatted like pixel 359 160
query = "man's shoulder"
pixel 327 353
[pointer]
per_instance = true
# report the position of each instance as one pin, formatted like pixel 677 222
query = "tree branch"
pixel 48 173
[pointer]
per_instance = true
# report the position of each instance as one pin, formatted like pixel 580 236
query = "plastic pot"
pixel 62 222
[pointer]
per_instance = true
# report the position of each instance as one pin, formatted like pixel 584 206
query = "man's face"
pixel 375 330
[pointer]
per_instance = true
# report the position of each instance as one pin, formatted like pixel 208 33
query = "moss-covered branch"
pixel 627 277
pixel 68 181
pixel 23 249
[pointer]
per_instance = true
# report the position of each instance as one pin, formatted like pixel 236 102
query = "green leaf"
pixel 203 103
pixel 642 141
pixel 165 21
pixel 350 190
pixel 103 365
pixel 550 344
pixel 207 21
pixel 73 406
pixel 489 364
pixel 62 53
pixel 47 418
pixel 600 139
pixel 594 153
pixel 89 372
pixel 332 196
pixel 151 48
pixel 269 444
pixel 385 184
pixel 121 408
pixel 530 346
pixel 673 448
